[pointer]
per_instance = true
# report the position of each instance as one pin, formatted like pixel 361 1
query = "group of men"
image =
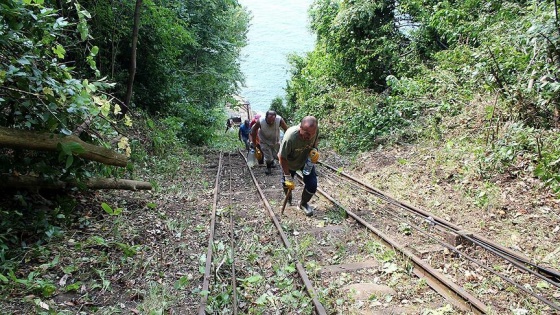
pixel 292 151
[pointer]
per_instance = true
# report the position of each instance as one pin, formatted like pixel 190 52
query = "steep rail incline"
pixel 362 252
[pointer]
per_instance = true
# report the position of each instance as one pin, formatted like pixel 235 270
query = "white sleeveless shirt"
pixel 270 134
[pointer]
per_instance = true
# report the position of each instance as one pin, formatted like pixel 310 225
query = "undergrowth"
pixel 37 254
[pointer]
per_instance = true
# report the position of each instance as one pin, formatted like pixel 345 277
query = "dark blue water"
pixel 278 28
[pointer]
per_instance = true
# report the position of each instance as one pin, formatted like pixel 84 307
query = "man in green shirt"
pixel 299 143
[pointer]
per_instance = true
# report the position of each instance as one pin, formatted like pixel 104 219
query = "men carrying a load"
pixel 299 144
pixel 267 129
pixel 255 141
pixel 243 134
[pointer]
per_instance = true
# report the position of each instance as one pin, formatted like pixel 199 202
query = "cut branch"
pixel 112 183
pixel 22 139
pixel 26 181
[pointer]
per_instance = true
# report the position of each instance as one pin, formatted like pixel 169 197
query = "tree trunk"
pixel 26 181
pixel 22 139
pixel 132 68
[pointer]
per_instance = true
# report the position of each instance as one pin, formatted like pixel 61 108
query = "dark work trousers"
pixel 310 181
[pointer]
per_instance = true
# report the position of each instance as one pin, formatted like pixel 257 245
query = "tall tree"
pixel 132 69
pixel 361 37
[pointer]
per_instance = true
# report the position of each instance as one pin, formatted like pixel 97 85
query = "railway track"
pixel 363 252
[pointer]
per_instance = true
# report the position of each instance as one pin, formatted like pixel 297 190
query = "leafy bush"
pixel 198 124
pixel 448 52
pixel 548 165
pixel 39 91
pixel 277 105
pixel 360 38
pixel 352 119
pixel 515 142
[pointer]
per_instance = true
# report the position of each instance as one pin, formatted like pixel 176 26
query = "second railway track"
pixel 363 252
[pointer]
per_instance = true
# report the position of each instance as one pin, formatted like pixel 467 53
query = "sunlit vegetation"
pixel 382 73
pixel 64 70
pixel 391 71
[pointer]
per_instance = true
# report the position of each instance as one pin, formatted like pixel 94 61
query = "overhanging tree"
pixel 41 91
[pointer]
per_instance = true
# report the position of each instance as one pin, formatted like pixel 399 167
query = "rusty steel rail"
pixel 480 264
pixel 490 270
pixel 549 275
pixel 436 280
pixel 320 309
pixel 232 242
pixel 206 282
pixel 546 274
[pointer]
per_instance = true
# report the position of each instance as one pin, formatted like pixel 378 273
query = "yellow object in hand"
pixel 289 184
pixel 314 156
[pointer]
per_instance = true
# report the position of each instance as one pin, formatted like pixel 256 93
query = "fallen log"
pixel 27 181
pixel 33 140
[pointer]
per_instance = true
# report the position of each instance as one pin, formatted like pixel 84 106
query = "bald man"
pixel 296 145
pixel 267 129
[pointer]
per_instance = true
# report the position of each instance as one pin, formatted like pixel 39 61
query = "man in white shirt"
pixel 268 129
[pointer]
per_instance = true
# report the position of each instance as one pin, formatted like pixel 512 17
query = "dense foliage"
pixel 389 68
pixel 64 68
pixel 187 59
pixel 40 89
pixel 277 104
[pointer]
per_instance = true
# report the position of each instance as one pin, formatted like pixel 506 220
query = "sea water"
pixel 277 29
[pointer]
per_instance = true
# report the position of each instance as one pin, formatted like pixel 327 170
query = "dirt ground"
pixel 516 210
pixel 148 259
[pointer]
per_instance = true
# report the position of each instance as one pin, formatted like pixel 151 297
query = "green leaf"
pixel 3 278
pixel 181 283
pixel 543 285
pixel 73 287
pixel 83 29
pixel 52 264
pixel 389 268
pixel 66 148
pixel 73 148
pixel 253 279
pixel 262 299
pixel 69 161
pixel 23 61
pixel 107 208
pixel 129 251
pixel 69 269
pixel 94 50
pixel 98 240
pixel 48 289
pixel 118 211
pixel 59 51
pixel 290 268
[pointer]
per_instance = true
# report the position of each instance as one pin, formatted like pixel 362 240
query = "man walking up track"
pixel 299 143
pixel 268 129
